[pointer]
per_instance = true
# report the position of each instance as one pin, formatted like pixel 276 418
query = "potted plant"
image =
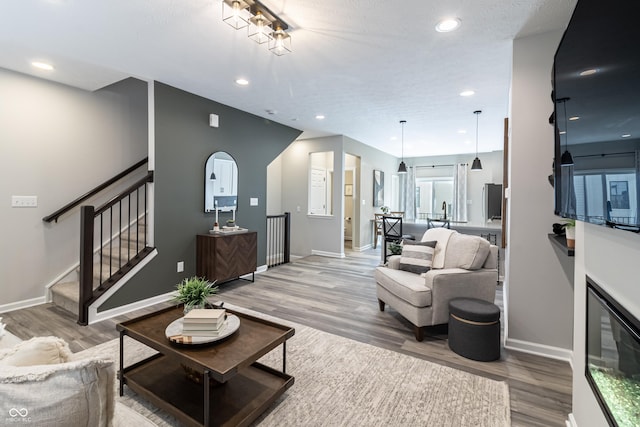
pixel 395 248
pixel 570 232
pixel 194 291
pixel 384 209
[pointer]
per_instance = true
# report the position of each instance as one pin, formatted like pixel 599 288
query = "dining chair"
pixel 377 228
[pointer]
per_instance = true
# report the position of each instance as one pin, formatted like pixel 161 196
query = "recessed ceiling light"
pixel 589 72
pixel 462 131
pixel 467 93
pixel 626 135
pixel 394 138
pixel 42 65
pixel 447 25
pixel 242 82
pixel 574 118
pixel 320 117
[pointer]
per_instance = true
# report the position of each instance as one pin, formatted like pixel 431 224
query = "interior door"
pixel 318 192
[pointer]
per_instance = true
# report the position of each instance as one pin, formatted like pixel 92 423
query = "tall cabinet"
pixel 223 257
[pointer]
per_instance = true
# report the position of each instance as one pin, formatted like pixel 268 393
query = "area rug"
pixel 341 382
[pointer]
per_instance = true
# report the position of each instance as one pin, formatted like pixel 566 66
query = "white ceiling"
pixel 364 64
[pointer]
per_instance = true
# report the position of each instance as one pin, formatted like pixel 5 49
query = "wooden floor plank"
pixel 338 296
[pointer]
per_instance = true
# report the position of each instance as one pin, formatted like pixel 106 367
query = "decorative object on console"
pixel 194 291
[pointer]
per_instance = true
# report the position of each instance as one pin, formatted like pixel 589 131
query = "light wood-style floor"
pixel 338 296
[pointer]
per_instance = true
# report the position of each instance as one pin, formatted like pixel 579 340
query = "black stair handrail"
pixel 54 216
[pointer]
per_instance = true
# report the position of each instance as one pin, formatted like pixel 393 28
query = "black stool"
pixel 474 329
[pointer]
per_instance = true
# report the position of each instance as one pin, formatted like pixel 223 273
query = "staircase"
pixel 110 263
pixel 113 240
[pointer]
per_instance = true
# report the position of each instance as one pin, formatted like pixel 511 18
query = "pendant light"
pixel 402 168
pixel 476 165
pixel 566 159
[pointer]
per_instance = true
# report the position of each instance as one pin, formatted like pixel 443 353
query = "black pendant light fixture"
pixel 402 168
pixel 476 165
pixel 566 159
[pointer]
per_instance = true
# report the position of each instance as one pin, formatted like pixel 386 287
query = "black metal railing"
pixel 278 239
pixel 118 225
pixel 66 208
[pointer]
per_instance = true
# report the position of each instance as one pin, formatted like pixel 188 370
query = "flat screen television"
pixel 596 94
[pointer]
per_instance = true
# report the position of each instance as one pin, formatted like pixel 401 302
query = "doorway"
pixel 351 209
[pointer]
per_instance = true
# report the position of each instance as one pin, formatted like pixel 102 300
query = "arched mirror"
pixel 220 183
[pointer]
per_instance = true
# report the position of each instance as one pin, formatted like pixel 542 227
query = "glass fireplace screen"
pixel 613 357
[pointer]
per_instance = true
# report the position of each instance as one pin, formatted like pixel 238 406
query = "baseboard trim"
pixel 22 304
pixel 328 254
pixel 361 248
pixel 124 309
pixel 556 353
pixel 571 422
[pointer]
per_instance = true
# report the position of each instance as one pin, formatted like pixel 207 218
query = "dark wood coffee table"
pixel 235 389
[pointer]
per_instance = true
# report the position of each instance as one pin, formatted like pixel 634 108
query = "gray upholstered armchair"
pixel 462 266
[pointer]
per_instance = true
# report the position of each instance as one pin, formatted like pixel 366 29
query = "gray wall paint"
pixel 58 142
pixel 326 234
pixel 539 295
pixel 184 141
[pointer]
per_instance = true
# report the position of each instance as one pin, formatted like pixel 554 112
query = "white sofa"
pixel 462 266
pixel 43 384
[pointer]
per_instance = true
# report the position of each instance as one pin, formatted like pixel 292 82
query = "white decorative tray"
pixel 174 331
pixel 234 230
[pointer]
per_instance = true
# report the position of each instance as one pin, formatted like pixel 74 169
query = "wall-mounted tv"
pixel 596 93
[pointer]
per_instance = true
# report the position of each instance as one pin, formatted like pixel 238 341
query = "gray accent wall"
pixel 183 142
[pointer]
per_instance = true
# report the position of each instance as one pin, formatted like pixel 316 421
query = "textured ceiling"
pixel 364 64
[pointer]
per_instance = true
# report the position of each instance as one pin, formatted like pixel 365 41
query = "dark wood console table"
pixel 224 257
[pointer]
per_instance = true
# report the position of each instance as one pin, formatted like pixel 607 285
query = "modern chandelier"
pixel 402 168
pixel 263 25
pixel 476 165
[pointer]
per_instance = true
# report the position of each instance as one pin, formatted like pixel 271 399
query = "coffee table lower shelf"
pixel 163 382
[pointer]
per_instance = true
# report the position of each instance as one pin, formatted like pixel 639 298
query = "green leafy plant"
pixel 194 291
pixel 385 209
pixel 395 248
pixel 568 222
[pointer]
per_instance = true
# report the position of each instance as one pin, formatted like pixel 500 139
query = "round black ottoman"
pixel 474 329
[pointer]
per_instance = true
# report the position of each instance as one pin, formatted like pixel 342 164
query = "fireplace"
pixel 612 363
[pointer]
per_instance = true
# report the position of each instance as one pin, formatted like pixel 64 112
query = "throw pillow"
pixel 417 257
pixel 36 351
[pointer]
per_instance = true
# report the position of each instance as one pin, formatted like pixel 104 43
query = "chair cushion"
pixel 407 286
pixel 440 235
pixel 417 257
pixel 36 351
pixel 466 251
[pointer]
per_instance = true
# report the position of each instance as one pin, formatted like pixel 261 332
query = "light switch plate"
pixel 253 201
pixel 24 201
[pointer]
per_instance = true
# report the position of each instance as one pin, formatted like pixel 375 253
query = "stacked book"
pixel 203 322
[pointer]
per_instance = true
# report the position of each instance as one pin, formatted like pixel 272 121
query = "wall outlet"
pixel 24 201
pixel 297 208
pixel 180 266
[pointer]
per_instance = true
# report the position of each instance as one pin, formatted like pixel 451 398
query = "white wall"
pixel 539 296
pixel 57 143
pixel 610 258
pixel 274 187
pixel 491 173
